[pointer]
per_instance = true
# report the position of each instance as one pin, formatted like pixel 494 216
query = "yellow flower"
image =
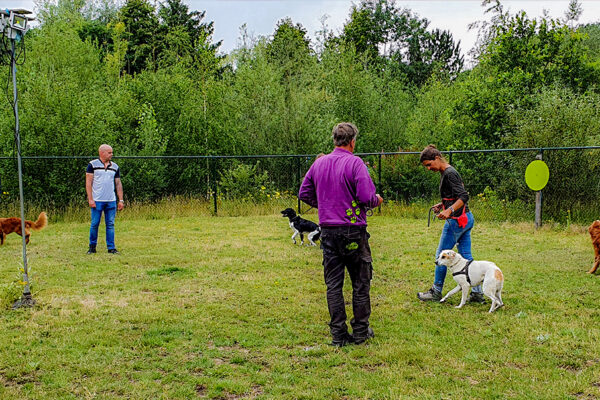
pixel 262 188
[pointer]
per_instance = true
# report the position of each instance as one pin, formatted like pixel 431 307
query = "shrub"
pixel 245 182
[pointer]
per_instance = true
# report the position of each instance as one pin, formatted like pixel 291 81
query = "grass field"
pixel 228 308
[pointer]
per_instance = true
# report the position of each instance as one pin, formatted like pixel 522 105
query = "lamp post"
pixel 13 24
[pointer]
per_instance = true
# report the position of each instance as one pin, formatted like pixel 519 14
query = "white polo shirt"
pixel 103 185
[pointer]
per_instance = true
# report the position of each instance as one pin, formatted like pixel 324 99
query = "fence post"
pixel 213 173
pixel 379 179
pixel 538 200
pixel 298 176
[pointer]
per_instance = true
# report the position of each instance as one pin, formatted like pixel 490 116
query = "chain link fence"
pixel 494 179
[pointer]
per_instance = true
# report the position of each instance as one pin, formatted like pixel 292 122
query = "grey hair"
pixel 343 133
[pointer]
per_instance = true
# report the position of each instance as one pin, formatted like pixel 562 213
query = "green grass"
pixel 227 308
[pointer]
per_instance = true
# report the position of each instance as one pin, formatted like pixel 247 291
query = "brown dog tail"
pixel 41 222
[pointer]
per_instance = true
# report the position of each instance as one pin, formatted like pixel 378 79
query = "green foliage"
pixel 490 207
pixel 393 39
pixel 290 48
pixel 523 56
pixel 404 179
pixel 561 118
pixel 246 182
pixel 591 41
pixel 9 293
pixel 141 26
pixel 146 178
pixel 147 78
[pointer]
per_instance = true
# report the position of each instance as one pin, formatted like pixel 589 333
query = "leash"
pixel 429 216
pixel 310 208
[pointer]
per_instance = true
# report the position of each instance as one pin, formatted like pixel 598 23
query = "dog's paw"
pixel 442 300
pixel 459 306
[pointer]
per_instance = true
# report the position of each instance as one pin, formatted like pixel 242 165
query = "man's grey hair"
pixel 343 133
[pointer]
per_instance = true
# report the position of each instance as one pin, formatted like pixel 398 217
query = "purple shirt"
pixel 339 185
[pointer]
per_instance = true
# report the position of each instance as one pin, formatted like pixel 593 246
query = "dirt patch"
pixel 201 390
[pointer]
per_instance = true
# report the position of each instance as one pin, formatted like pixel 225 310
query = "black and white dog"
pixel 300 226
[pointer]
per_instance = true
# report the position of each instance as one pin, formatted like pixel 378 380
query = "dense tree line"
pixel 152 81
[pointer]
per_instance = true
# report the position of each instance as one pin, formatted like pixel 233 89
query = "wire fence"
pixel 494 179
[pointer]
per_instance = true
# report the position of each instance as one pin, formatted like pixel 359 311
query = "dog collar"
pixel 464 271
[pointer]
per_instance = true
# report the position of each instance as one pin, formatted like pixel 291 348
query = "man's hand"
pixel 92 203
pixel 380 200
pixel 120 205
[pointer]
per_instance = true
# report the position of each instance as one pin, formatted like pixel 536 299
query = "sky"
pixel 261 16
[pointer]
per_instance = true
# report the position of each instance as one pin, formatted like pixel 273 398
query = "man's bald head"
pixel 105 152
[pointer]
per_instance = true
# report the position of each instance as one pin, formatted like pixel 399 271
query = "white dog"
pixel 471 273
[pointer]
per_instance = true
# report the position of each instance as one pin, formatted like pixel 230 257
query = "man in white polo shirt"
pixel 102 177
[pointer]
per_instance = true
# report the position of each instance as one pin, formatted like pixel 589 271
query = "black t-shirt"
pixel 452 187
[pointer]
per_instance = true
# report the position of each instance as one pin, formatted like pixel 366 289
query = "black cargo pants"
pixel 347 247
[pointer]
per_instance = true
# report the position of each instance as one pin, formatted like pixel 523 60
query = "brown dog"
pixel 594 231
pixel 10 225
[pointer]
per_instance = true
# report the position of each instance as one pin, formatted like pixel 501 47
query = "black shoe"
pixel 91 250
pixel 362 339
pixel 342 341
pixel 113 251
pixel 430 295
pixel 475 297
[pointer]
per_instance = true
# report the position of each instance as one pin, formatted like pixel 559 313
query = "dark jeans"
pixel 347 247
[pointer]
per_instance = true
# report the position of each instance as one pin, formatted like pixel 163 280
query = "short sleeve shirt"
pixel 103 185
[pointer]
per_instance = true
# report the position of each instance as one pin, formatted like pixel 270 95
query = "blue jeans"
pixel 454 235
pixel 110 211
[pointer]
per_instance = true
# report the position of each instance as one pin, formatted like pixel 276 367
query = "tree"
pixel 290 48
pixel 141 26
pixel 523 56
pixel 393 39
pixel 183 34
pixel 573 13
pixel 432 53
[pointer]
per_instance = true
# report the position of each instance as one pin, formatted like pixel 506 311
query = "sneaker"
pixel 362 339
pixel 475 297
pixel 342 341
pixel 430 295
pixel 91 250
pixel 113 251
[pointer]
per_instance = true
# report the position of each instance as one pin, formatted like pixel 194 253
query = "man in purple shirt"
pixel 339 185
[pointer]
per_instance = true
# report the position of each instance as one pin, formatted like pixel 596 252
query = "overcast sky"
pixel 261 16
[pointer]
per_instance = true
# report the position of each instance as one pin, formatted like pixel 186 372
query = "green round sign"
pixel 537 175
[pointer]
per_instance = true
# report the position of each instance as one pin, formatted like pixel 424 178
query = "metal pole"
pixel 26 299
pixel 538 202
pixel 214 182
pixel 379 180
pixel 298 177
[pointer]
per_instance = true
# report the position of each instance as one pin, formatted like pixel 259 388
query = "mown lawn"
pixel 228 308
